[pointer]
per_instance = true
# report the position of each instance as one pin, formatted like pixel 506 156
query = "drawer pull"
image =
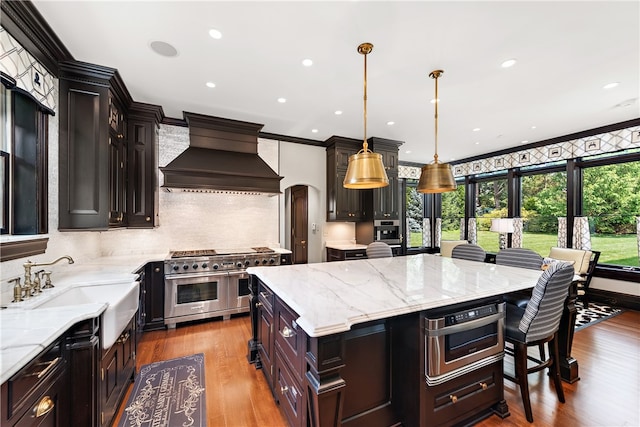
pixel 123 338
pixel 258 304
pixel 287 333
pixel 43 407
pixel 453 398
pixel 483 385
pixel 46 370
pixel 284 389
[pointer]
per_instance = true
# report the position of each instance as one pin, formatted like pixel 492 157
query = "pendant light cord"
pixel 365 49
pixel 434 75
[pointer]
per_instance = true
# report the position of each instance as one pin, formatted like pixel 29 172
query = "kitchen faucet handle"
pixel 17 289
pixel 47 281
pixel 37 281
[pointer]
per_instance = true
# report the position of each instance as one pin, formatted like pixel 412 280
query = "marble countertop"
pixel 346 246
pixel 330 297
pixel 25 332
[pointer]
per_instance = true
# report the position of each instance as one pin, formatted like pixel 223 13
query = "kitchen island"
pixel 343 343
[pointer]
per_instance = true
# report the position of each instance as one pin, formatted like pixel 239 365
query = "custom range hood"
pixel 222 156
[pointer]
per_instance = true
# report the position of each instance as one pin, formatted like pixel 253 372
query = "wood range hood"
pixel 222 157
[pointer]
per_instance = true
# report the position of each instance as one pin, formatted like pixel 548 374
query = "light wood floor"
pixel 608 393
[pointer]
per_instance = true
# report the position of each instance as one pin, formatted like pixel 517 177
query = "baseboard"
pixel 615 299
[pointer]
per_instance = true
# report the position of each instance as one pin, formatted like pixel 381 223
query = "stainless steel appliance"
pixel 387 231
pixel 462 341
pixel 210 283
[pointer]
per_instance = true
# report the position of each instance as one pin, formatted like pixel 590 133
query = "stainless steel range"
pixel 210 282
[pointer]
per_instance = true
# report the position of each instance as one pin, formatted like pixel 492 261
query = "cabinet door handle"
pixel 287 332
pixel 453 398
pixel 284 389
pixel 46 370
pixel 483 385
pixel 123 338
pixel 43 407
pixel 258 304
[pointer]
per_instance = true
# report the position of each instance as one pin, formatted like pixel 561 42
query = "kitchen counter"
pixel 346 246
pixel 331 297
pixel 25 332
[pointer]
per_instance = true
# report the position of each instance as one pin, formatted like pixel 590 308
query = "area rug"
pixel 169 393
pixel 596 312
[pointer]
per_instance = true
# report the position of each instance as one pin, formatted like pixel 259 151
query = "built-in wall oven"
pixel 462 340
pixel 210 283
pixel 387 231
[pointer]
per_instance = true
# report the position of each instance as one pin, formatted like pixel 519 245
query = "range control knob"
pixel 185 267
pixel 257 262
pixel 264 261
pixel 195 266
pixel 239 264
pixel 215 266
pixel 272 261
pixel 175 268
pixel 247 263
pixel 204 265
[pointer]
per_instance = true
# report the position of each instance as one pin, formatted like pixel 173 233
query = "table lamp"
pixel 502 226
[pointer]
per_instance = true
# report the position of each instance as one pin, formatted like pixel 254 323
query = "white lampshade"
pixel 502 225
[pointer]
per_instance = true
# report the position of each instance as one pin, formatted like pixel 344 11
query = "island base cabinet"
pixel 289 393
pixel 466 399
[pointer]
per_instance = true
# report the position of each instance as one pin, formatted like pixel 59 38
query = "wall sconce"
pixel 502 226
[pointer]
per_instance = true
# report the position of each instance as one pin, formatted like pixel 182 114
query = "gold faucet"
pixel 28 282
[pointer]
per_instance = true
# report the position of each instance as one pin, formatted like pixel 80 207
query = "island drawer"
pixel 464 397
pixel 289 393
pixel 290 338
pixel 265 297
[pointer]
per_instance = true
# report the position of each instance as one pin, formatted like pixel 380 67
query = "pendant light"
pixel 365 168
pixel 436 177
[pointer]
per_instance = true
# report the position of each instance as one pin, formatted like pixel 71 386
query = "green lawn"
pixel 620 250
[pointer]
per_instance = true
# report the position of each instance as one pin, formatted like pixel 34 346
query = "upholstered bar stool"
pixel 378 250
pixel 469 251
pixel 537 324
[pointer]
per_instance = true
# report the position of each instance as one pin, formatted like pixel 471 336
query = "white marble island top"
pixel 330 297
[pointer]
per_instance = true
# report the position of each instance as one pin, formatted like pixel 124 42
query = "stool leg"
pixel 520 357
pixel 555 372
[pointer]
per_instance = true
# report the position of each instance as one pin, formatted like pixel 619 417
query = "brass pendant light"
pixel 365 168
pixel 436 177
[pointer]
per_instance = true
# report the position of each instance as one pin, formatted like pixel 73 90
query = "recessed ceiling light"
pixel 210 84
pixel 391 123
pixel 476 129
pixel 307 62
pixel 338 112
pixel 533 127
pixel 282 100
pixel 524 141
pixel 408 152
pixel 453 158
pixel 163 48
pixel 477 142
pixel 314 130
pixel 215 34
pixel 610 85
pixel 509 63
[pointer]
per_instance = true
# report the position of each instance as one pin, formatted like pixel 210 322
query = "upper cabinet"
pixel 343 204
pixel 386 200
pixel 357 205
pixel 107 153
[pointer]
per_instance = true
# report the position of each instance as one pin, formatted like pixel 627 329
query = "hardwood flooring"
pixel 607 394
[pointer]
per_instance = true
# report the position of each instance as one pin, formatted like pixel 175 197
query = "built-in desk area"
pixel 345 342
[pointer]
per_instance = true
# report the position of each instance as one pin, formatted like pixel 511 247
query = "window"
pixel 544 199
pixel 414 207
pixel 23 172
pixel 611 201
pixel 491 202
pixel 452 213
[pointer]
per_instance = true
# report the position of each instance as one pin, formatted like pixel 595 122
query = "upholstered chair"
pixel 469 251
pixel 379 250
pixel 446 246
pixel 537 324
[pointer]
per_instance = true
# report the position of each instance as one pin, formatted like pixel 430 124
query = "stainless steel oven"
pixel 239 291
pixel 192 297
pixel 463 340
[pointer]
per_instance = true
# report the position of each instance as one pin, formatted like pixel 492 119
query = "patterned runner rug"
pixel 167 394
pixel 597 312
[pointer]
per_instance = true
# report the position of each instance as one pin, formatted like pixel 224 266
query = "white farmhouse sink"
pixel 122 299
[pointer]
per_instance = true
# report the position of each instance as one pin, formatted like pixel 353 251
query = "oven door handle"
pixel 476 323
pixel 195 276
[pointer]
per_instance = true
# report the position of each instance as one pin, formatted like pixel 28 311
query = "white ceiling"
pixel 566 53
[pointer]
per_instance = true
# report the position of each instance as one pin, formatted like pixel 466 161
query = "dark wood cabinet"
pixel 117 370
pixel 107 153
pixel 386 200
pixel 151 304
pixel 83 347
pixel 334 254
pixel 343 204
pixel 265 333
pixel 286 259
pixel 142 189
pixel 35 396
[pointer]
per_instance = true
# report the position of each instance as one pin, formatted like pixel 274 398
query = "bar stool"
pixel 537 324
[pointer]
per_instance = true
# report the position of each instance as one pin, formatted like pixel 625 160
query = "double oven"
pixel 200 284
